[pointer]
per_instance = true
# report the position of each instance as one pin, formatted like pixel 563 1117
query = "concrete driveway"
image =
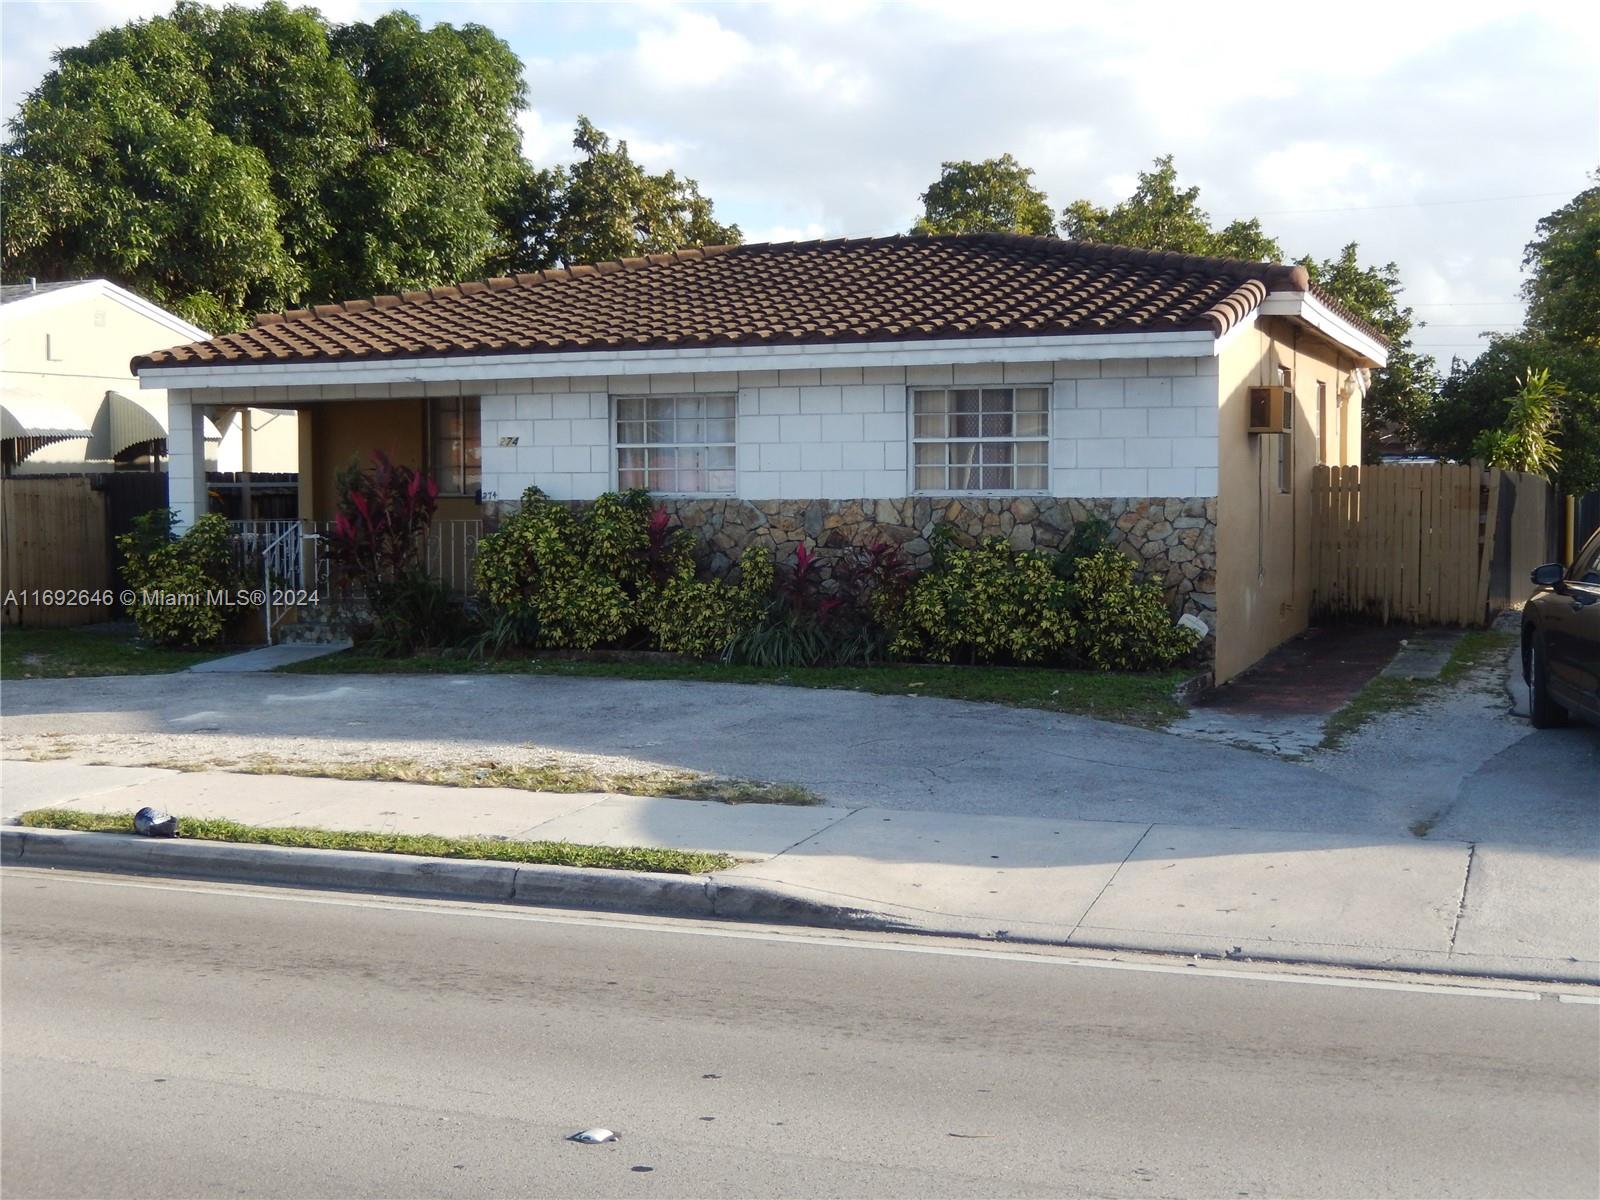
pixel 853 749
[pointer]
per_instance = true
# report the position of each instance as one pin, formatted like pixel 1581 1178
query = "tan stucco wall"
pixel 274 442
pixel 335 433
pixel 351 430
pixel 75 349
pixel 72 352
pixel 1264 535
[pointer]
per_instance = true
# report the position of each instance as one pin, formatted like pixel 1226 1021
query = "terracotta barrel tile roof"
pixel 796 293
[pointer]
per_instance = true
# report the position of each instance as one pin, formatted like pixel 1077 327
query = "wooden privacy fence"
pixel 54 537
pixel 1403 543
pixel 1426 544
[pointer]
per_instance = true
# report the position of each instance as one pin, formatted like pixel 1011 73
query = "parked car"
pixel 1561 640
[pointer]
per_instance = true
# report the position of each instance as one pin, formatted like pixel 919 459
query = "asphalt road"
pixel 170 1039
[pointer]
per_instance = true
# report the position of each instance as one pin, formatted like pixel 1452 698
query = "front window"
pixel 456 459
pixel 992 439
pixel 681 445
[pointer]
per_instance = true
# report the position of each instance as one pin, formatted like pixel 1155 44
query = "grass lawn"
pixel 1386 694
pixel 563 854
pixel 680 785
pixel 1134 699
pixel 61 653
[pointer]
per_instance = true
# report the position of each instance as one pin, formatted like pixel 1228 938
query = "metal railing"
pixel 282 575
pixel 452 553
pixel 294 558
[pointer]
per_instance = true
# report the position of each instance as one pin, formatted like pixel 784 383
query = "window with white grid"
pixel 680 445
pixel 990 439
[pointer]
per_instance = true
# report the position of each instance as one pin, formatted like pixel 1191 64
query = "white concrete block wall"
pixel 186 458
pixel 1129 427
pixel 1135 427
pixel 811 435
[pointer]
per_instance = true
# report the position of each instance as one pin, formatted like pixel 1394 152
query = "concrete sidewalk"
pixel 1449 906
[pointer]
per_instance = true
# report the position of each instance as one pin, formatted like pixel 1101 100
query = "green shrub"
pixel 1122 625
pixel 503 632
pixel 1089 536
pixel 588 581
pixel 185 585
pixel 994 604
pixel 380 539
pixel 989 604
pixel 846 620
pixel 414 612
pixel 702 618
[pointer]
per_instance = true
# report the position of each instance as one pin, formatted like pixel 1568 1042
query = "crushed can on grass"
pixel 152 822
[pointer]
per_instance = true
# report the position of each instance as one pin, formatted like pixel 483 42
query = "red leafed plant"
pixel 380 531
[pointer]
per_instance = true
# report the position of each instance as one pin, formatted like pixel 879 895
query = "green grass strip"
pixel 679 785
pixel 1386 693
pixel 1144 699
pixel 559 854
pixel 68 653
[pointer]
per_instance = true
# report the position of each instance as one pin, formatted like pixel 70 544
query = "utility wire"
pixel 1297 212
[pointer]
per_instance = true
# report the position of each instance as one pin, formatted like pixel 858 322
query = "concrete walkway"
pixel 1454 906
pixel 267 658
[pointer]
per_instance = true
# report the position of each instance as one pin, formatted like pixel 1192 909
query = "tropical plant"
pixel 185 586
pixel 1526 442
pixel 1088 538
pixel 814 620
pixel 704 618
pixel 380 538
pixel 380 526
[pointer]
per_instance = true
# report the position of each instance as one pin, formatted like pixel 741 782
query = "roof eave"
pixel 1309 310
pixel 1179 343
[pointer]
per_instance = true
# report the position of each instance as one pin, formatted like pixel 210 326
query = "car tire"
pixel 1543 711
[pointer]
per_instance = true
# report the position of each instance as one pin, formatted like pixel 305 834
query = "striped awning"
pixel 32 421
pixel 122 423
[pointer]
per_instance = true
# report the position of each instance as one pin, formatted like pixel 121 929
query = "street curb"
pixel 698 897
pixel 646 893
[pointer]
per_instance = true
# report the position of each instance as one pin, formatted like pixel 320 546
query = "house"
pixel 72 406
pixel 848 391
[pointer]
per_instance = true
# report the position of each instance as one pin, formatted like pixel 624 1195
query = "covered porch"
pixel 432 429
pixel 427 429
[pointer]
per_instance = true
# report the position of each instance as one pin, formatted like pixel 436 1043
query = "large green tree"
pixel 1397 407
pixel 993 196
pixel 222 160
pixel 1563 261
pixel 1163 215
pixel 1160 215
pixel 606 206
pixel 1560 335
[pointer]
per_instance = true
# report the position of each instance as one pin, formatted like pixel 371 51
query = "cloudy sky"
pixel 1433 135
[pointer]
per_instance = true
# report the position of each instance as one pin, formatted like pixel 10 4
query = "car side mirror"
pixel 1550 575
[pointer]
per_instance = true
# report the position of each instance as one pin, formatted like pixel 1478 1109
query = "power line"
pixel 1299 212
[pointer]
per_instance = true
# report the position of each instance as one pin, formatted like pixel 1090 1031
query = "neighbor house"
pixel 71 405
pixel 847 391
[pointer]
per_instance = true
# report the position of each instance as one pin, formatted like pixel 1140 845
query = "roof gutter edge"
pixel 441 368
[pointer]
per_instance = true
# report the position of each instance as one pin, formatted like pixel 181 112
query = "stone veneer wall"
pixel 1173 539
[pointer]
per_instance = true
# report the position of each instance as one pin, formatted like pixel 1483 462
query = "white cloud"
pixel 816 118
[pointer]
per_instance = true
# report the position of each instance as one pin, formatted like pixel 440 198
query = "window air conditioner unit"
pixel 1271 409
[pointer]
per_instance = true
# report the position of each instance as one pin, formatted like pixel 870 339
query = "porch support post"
pixel 246 460
pixel 306 463
pixel 186 458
